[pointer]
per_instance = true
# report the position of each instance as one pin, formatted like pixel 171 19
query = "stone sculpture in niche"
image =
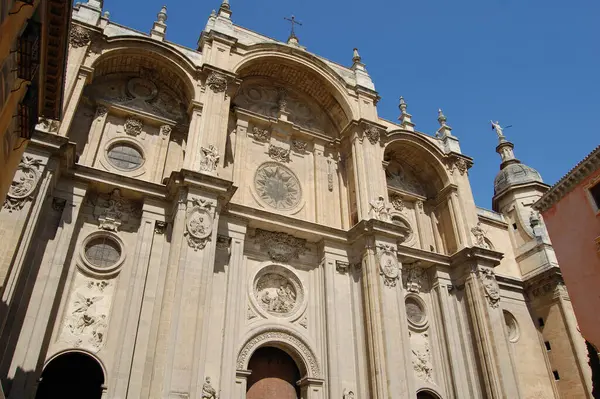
pixel 208 392
pixel 268 100
pixel 379 209
pixel 401 176
pixel 388 265
pixel 413 277
pixel 210 159
pixel 87 314
pixel 140 93
pixel 279 153
pixel 372 133
pixel 421 356
pixel 490 286
pixel 112 210
pixel 79 37
pixel 216 82
pixel 24 183
pixel 261 134
pixel 277 186
pixel 276 294
pixel 479 234
pixel 198 224
pixel 133 126
pixel 280 247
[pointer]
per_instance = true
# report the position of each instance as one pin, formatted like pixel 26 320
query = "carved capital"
pixel 341 266
pixel 281 247
pixel 262 135
pixel 216 82
pixel 79 37
pixel 279 153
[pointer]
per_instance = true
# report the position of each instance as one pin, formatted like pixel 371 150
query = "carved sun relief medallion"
pixel 277 291
pixel 277 186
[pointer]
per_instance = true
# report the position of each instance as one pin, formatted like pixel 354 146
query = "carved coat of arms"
pixel 388 265
pixel 199 223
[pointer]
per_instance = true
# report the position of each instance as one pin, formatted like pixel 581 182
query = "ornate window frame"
pixel 297 283
pixel 424 324
pixel 95 271
pixel 105 162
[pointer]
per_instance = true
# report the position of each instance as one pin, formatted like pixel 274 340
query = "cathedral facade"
pixel 235 221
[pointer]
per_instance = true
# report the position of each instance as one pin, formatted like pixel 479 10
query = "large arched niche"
pixel 414 165
pixel 309 78
pixel 286 340
pixel 416 175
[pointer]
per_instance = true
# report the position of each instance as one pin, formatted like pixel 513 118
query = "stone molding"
pixel 279 336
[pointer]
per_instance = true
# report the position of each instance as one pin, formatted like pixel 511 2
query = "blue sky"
pixel 528 63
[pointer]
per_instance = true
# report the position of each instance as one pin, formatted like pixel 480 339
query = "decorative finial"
pixel 225 4
pixel 356 56
pixel 106 15
pixel 162 15
pixel 213 13
pixel 293 39
pixel 499 130
pixel 405 117
pixel 441 117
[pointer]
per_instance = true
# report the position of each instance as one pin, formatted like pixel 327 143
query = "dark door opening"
pixel 274 375
pixel 426 395
pixel 72 375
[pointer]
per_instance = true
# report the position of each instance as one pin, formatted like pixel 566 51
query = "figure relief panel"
pixel 401 176
pixel 268 99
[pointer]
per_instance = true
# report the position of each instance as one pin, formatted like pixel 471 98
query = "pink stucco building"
pixel 571 210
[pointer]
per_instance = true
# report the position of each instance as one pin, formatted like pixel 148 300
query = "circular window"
pixel 512 328
pixel 103 252
pixel 125 156
pixel 415 311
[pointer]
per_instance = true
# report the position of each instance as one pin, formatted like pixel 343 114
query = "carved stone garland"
pixel 79 37
pixel 216 82
pixel 24 184
pixel 112 210
pixel 199 223
pixel 299 145
pixel 261 134
pixel 397 202
pixel 490 286
pixel 133 126
pixel 280 247
pixel 388 265
pixel 279 153
pixel 413 278
pixel 372 133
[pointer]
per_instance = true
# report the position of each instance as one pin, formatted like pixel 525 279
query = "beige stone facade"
pixel 197 205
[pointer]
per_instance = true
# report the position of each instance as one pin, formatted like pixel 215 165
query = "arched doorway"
pixel 71 375
pixel 273 375
pixel 426 395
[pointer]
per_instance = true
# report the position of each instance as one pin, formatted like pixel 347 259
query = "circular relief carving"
pixel 142 89
pixel 277 186
pixel 415 311
pixel 278 291
pixel 512 327
pixel 199 223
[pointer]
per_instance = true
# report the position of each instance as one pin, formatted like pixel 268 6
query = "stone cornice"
pixel 481 256
pixel 568 182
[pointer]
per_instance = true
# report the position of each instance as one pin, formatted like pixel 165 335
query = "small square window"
pixel 514 226
pixel 595 192
pixel 548 347
pixel 541 322
pixel 556 376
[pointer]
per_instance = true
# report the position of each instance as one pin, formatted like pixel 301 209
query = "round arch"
pixel 427 393
pixel 283 339
pixel 324 82
pixel 72 373
pixel 420 154
pixel 162 55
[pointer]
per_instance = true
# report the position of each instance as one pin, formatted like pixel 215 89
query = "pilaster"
pixel 72 99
